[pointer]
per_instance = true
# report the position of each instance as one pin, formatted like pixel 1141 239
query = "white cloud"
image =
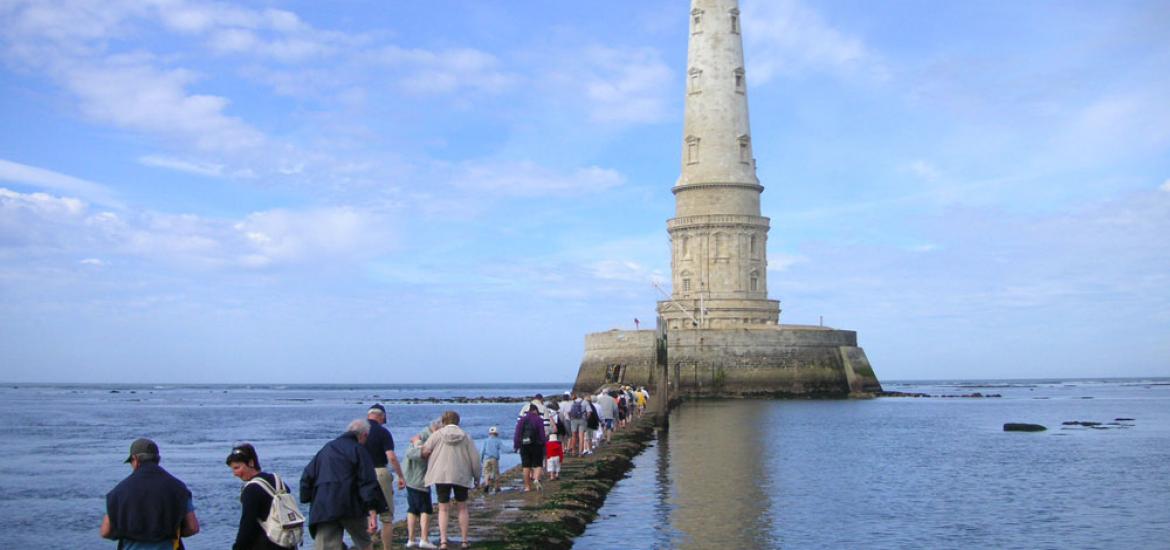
pixel 33 176
pixel 785 36
pixel 924 170
pixel 528 179
pixel 41 204
pixel 95 262
pixel 279 236
pixel 128 92
pixel 621 270
pixel 444 72
pixel 778 261
pixel 202 169
pixel 625 85
pixel 323 236
pixel 1165 185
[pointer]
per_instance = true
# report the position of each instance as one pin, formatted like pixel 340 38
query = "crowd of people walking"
pixel 349 484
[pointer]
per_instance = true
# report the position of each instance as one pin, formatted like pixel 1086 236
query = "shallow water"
pixel 63 445
pixel 905 472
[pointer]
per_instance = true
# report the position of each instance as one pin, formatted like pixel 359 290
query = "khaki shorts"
pixel 491 469
pixel 386 482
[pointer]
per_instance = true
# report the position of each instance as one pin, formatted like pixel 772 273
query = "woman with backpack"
pixel 529 441
pixel 255 499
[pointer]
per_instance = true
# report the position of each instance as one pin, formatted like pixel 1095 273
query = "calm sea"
pixel 906 473
pixel 883 473
pixel 63 445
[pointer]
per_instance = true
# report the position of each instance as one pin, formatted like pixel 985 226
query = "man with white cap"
pixel 380 444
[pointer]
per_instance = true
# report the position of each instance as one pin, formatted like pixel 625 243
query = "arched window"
pixel 755 281
pixel 734 21
pixel 745 149
pixel 752 246
pixel 740 81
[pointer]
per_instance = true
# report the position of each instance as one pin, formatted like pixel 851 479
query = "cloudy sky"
pixel 457 191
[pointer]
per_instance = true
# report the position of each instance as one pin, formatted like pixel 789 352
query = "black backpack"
pixel 528 435
pixel 593 422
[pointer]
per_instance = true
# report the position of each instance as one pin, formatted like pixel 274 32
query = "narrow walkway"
pixel 513 519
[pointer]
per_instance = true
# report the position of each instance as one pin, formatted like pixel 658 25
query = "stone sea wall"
pixel 764 362
pixel 550 518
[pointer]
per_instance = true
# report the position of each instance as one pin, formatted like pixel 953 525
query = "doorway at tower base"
pixel 771 361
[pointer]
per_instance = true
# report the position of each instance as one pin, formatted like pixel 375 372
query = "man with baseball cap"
pixel 150 509
pixel 380 444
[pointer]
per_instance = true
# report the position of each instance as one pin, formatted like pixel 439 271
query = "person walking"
pixel 150 509
pixel 592 425
pixel 576 414
pixel 418 495
pixel 567 439
pixel 452 468
pixel 529 440
pixel 490 457
pixel 342 488
pixel 380 445
pixel 255 502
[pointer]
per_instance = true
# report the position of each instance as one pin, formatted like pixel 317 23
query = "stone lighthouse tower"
pixel 724 334
pixel 718 237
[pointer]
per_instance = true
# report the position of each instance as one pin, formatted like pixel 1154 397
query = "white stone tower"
pixel 718 238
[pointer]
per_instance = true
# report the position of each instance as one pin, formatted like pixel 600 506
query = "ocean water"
pixel 63 445
pixel 906 472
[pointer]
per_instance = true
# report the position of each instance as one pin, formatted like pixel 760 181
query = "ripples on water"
pixel 905 473
pixel 63 445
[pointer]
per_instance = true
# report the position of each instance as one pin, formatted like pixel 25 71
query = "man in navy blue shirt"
pixel 150 509
pixel 380 444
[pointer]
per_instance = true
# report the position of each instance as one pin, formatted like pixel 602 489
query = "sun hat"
pixel 493 430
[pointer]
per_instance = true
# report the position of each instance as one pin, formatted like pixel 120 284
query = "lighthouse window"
pixel 692 150
pixel 695 80
pixel 752 246
pixel 755 281
pixel 696 21
pixel 686 285
pixel 739 80
pixel 745 149
pixel 734 21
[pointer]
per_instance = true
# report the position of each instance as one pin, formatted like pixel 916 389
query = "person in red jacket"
pixel 554 453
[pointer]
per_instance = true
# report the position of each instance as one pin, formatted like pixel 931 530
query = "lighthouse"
pixel 724 335
pixel 718 238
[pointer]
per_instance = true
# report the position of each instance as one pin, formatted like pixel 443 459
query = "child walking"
pixel 418 495
pixel 554 454
pixel 490 456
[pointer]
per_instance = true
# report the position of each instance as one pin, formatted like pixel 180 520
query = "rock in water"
pixel 1020 427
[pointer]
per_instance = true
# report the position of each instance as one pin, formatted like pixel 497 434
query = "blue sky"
pixel 458 191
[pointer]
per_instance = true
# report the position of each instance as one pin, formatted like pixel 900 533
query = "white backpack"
pixel 285 521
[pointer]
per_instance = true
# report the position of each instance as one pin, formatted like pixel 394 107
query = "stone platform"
pixel 766 361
